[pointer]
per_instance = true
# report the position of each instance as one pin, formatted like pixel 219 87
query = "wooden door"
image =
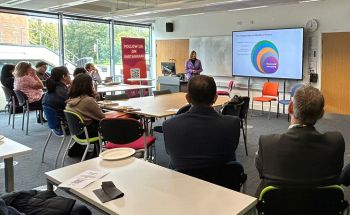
pixel 335 72
pixel 172 51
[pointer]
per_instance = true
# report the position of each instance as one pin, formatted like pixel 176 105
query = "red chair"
pixel 126 132
pixel 226 92
pixel 269 94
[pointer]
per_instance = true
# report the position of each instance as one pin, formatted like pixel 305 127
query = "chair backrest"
pixel 8 93
pixel 21 97
pixel 230 175
pixel 161 92
pixel 232 109
pixel 75 122
pixel 120 130
pixel 270 89
pixel 294 89
pixel 322 200
pixel 184 109
pixel 230 86
pixel 52 118
pixel 116 97
pixel 244 107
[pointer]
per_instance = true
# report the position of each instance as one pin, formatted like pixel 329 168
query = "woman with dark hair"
pixel 79 70
pixel 82 100
pixel 7 78
pixel 57 89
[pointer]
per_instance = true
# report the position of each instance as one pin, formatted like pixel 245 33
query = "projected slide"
pixel 268 53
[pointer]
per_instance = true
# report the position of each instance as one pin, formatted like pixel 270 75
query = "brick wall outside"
pixel 14 29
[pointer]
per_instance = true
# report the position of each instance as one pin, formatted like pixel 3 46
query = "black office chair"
pixel 230 175
pixel 327 200
pixel 24 103
pixel 243 115
pixel 116 97
pixel 161 92
pixel 183 109
pixel 10 106
pixel 240 110
pixel 232 109
pixel 126 132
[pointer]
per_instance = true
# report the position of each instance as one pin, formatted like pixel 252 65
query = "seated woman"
pixel 57 89
pixel 93 72
pixel 82 100
pixel 7 78
pixel 29 83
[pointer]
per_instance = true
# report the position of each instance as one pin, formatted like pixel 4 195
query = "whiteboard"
pixel 215 54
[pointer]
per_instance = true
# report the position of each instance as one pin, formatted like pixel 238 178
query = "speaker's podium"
pixel 170 80
pixel 172 83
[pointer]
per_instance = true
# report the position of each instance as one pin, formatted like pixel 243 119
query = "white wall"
pixel 333 16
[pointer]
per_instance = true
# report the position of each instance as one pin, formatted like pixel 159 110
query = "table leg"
pixel 9 179
pixel 49 185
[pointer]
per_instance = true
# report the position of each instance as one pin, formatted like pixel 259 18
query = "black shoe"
pixel 39 121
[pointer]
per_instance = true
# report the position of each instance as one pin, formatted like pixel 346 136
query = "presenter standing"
pixel 193 66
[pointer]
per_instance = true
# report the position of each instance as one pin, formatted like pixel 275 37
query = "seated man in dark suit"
pixel 302 156
pixel 201 137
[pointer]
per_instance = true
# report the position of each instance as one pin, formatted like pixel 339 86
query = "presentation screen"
pixel 268 53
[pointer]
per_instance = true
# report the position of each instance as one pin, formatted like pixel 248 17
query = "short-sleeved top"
pixel 25 84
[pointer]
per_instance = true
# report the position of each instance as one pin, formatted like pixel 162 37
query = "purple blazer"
pixel 191 69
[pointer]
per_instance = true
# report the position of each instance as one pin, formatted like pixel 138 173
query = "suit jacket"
pixel 201 137
pixel 302 156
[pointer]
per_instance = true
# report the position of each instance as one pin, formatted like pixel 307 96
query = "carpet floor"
pixel 30 171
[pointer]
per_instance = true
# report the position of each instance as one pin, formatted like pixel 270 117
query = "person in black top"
pixel 7 77
pixel 201 137
pixel 302 156
pixel 79 70
pixel 57 89
pixel 41 72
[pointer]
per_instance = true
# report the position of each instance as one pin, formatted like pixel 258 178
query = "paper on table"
pixel 173 110
pixel 83 179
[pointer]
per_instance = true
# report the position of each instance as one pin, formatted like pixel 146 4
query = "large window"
pixel 86 41
pixel 28 38
pixel 35 37
pixel 129 31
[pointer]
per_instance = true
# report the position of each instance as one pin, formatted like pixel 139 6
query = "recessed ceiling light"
pixel 249 8
pixel 193 14
pixel 307 1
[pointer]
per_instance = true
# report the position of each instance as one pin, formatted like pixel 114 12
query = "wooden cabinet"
pixel 176 51
pixel 335 72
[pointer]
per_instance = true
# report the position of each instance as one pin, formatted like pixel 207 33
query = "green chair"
pixel 76 127
pixel 302 201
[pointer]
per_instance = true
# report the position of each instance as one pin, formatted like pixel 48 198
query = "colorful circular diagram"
pixel 265 57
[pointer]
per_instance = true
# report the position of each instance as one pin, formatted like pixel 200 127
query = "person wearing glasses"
pixel 41 68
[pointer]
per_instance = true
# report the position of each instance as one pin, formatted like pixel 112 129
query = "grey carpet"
pixel 29 173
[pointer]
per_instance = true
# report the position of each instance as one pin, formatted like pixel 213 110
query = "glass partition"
pixel 87 41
